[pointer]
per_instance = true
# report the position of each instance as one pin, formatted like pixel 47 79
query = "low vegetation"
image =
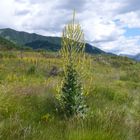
pixel 29 98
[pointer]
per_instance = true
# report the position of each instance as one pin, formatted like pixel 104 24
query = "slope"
pixel 36 41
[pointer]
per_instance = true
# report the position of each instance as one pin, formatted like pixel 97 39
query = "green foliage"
pixel 72 94
pixel 7 54
pixel 7 45
pixel 131 75
pixel 31 70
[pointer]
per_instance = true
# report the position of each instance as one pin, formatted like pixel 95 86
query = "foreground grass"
pixel 28 105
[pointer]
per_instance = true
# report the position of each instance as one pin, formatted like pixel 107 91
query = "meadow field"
pixel 29 84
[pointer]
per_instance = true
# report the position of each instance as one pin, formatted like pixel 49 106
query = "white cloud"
pixel 130 19
pixel 122 45
pixel 100 30
pixel 103 21
pixel 6 13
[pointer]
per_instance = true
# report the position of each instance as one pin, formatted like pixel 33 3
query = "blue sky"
pixel 111 25
pixel 132 32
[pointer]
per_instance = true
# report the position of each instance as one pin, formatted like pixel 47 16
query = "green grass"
pixel 28 105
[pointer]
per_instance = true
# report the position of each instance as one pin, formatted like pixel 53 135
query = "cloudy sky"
pixel 112 25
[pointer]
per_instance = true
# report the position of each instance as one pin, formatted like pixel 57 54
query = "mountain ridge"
pixel 137 57
pixel 134 57
pixel 36 41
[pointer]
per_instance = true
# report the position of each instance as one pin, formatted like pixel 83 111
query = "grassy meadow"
pixel 29 84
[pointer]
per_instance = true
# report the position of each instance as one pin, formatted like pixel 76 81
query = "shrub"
pixel 72 98
pixel 72 94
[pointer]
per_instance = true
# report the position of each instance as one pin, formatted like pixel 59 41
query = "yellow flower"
pixel 47 117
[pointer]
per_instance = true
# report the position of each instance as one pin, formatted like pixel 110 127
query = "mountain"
pixel 44 44
pixel 7 45
pixel 21 37
pixel 135 57
pixel 37 41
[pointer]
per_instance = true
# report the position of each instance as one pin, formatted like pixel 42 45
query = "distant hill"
pixel 36 41
pixel 137 57
pixel 7 45
pixel 134 57
pixel 44 44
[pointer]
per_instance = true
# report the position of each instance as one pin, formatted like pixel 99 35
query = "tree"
pixel 73 100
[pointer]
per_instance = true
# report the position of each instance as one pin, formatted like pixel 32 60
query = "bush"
pixel 72 94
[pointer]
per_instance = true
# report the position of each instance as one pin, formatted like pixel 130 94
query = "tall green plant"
pixel 72 50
